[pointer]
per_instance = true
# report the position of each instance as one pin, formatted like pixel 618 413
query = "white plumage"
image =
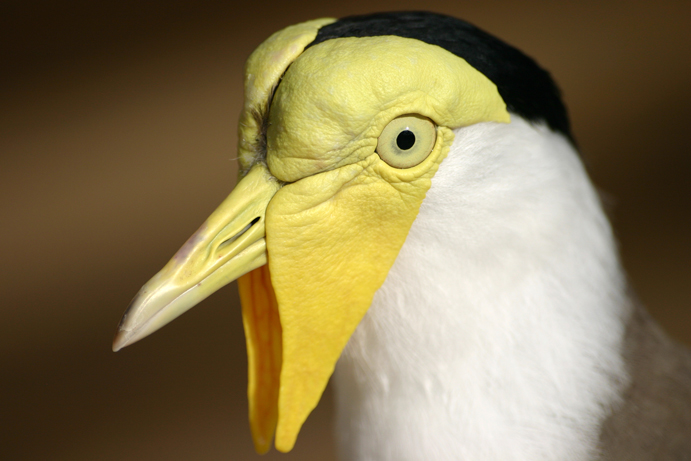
pixel 498 332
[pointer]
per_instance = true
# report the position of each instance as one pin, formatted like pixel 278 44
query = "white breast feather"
pixel 497 334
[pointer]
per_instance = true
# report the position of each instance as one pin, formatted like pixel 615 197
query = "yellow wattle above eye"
pixel 407 140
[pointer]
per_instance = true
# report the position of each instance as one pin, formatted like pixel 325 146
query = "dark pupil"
pixel 405 140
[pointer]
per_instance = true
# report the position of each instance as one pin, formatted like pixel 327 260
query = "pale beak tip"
pixel 121 340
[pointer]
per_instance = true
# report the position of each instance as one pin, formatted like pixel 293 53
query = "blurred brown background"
pixel 117 134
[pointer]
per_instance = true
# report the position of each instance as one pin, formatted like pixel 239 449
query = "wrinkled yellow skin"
pixel 263 70
pixel 337 97
pixel 332 238
pixel 335 229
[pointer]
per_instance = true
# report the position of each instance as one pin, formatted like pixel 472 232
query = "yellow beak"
pixel 229 244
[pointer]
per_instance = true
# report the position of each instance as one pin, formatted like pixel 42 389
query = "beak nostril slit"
pixel 239 234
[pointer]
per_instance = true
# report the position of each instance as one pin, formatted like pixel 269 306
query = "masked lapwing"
pixel 413 218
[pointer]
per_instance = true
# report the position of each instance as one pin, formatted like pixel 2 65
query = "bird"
pixel 414 221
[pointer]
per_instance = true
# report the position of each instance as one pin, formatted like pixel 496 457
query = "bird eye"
pixel 406 141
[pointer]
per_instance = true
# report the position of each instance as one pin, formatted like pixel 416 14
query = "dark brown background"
pixel 117 134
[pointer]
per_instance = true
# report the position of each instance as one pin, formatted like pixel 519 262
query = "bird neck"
pixel 498 331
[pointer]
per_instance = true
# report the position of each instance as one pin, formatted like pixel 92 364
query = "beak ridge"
pixel 228 245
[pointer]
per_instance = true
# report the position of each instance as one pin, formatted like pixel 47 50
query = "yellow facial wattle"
pixel 335 229
pixel 318 202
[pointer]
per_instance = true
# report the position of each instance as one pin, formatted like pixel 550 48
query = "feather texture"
pixel 498 332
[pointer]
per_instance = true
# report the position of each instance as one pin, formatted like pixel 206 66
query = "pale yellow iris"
pixel 406 141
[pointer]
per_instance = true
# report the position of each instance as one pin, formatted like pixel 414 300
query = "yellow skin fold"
pixel 332 238
pixel 336 215
pixel 262 72
pixel 262 326
pixel 334 231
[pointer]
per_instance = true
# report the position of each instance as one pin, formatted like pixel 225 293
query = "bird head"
pixel 344 125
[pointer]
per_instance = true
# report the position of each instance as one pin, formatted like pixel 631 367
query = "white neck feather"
pixel 498 332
